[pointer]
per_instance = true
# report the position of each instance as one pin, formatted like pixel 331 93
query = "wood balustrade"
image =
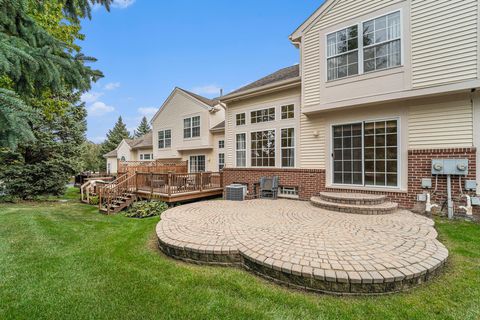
pixel 157 166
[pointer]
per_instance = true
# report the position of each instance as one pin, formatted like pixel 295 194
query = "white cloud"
pixel 147 112
pixel 99 109
pixel 90 97
pixel 122 4
pixel 210 89
pixel 112 86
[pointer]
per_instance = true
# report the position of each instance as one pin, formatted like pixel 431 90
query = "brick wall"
pixel 308 181
pixel 312 181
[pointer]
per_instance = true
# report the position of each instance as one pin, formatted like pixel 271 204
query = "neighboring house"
pixel 383 88
pixel 190 127
pixel 139 149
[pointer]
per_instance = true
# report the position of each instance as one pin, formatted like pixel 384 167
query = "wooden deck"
pixel 167 187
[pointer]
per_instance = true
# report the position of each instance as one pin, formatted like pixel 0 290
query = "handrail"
pixel 113 191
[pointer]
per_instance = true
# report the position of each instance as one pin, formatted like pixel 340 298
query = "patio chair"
pixel 269 187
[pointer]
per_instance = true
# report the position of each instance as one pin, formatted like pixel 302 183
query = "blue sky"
pixel 147 47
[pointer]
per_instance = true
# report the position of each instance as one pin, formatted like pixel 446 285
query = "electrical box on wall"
pixel 426 183
pixel 470 185
pixel 454 167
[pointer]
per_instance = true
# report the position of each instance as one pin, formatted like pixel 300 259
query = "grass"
pixel 65 260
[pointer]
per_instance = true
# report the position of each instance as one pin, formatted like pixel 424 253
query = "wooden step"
pixel 371 209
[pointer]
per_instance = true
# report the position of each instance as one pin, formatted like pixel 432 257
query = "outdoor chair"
pixel 268 187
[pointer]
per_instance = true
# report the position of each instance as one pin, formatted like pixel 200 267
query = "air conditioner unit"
pixel 236 192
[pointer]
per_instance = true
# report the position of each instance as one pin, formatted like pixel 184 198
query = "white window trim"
pixel 361 47
pixel 158 138
pixel 191 127
pixel 190 162
pixel 281 112
pixel 261 109
pixel 235 119
pixel 399 155
pixel 219 161
pixel 294 146
pixel 221 148
pixel 246 150
pixel 249 149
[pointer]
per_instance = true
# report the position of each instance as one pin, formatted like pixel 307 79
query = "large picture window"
pixel 366 153
pixel 197 164
pixel 263 115
pixel 342 53
pixel 241 150
pixel 381 42
pixel 164 139
pixel 288 147
pixel 191 127
pixel 263 148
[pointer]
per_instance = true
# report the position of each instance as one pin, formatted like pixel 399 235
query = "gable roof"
pixel 207 103
pixel 298 33
pixel 111 154
pixel 219 127
pixel 144 141
pixel 278 77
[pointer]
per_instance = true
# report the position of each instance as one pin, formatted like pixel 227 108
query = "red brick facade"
pixel 312 181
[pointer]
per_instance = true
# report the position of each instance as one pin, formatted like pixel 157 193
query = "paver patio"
pixel 298 244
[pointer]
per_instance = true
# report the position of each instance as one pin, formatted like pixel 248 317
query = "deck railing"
pixel 176 183
pixel 157 166
pixel 118 188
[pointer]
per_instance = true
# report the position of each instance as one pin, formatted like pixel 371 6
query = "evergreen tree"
pixel 92 159
pixel 143 128
pixel 115 136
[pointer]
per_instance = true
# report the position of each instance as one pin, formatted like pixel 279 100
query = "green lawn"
pixel 67 261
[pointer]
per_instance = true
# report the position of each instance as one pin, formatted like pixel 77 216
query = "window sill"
pixel 365 76
pixel 364 188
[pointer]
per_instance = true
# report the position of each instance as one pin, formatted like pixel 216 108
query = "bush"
pixel 9 199
pixel 94 201
pixel 145 209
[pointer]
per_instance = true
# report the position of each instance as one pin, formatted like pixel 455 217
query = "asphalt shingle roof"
pixel 280 75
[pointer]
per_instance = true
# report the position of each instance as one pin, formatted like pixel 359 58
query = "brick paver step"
pixel 353 198
pixel 372 209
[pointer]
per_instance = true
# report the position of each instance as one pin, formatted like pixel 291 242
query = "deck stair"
pixel 356 203
pixel 118 195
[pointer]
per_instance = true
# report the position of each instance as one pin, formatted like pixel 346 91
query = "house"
pixel 382 88
pixel 190 127
pixel 139 149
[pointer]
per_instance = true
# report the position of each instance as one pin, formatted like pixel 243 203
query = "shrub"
pixel 9 199
pixel 94 201
pixel 145 209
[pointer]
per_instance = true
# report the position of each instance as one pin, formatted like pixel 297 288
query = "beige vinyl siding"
pixel 312 142
pixel 278 99
pixel 339 11
pixel 444 41
pixel 441 125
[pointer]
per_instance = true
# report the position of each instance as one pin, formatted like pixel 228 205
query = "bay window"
pixel 263 148
pixel 366 153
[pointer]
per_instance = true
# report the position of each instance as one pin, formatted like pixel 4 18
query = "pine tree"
pixel 115 136
pixel 143 128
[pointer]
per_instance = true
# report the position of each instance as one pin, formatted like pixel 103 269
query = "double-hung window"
pixel 263 115
pixel 382 43
pixel 164 139
pixel 221 144
pixel 378 40
pixel 366 153
pixel 221 161
pixel 191 127
pixel 288 147
pixel 241 150
pixel 342 53
pixel 263 148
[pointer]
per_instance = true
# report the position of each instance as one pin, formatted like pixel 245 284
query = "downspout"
pixel 475 99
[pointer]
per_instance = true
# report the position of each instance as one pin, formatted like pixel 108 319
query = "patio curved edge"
pixel 297 276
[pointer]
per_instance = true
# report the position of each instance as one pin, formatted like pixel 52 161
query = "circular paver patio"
pixel 295 243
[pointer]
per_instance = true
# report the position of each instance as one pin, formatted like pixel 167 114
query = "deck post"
pixel 151 185
pixel 201 181
pixel 136 180
pixel 169 184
